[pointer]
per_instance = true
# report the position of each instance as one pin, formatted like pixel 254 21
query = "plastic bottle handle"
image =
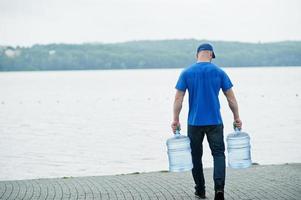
pixel 178 130
pixel 237 129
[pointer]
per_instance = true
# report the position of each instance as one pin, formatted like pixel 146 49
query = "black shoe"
pixel 219 195
pixel 201 195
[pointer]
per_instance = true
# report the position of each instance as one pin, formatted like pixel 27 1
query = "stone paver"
pixel 258 182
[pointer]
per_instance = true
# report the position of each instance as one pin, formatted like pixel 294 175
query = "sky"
pixel 28 22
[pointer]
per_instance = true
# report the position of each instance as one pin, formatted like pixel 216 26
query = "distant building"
pixel 11 53
pixel 51 52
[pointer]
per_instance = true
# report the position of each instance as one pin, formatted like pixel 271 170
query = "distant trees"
pixel 145 54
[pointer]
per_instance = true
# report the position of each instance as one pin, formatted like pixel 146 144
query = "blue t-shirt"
pixel 203 80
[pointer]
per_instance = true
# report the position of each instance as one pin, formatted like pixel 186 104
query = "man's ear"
pixel 211 54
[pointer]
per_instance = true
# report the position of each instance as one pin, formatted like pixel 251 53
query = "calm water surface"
pixel 80 123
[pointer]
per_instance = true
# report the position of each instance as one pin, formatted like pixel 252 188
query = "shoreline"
pixel 149 68
pixel 146 172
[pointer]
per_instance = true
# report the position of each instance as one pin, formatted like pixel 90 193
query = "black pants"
pixel 215 137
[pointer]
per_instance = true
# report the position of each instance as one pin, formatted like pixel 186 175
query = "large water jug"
pixel 239 149
pixel 179 153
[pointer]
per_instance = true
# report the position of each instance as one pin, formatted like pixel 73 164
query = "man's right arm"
pixel 233 106
pixel 179 97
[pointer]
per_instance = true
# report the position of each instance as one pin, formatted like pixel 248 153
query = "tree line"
pixel 146 54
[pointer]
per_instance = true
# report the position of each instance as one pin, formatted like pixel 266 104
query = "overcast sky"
pixel 27 22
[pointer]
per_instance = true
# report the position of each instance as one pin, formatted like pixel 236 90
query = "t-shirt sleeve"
pixel 226 83
pixel 181 84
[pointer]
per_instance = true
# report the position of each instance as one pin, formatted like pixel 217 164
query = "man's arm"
pixel 233 106
pixel 177 107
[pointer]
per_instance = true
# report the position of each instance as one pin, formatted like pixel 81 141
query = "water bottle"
pixel 239 149
pixel 179 153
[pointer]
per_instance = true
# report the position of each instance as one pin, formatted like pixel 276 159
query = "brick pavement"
pixel 258 182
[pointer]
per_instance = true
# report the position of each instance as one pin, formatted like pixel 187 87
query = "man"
pixel 203 80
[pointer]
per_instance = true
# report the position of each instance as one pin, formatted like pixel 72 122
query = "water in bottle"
pixel 179 153
pixel 239 149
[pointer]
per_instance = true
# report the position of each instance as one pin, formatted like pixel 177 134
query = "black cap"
pixel 204 47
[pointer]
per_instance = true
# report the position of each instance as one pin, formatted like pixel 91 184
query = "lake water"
pixel 80 123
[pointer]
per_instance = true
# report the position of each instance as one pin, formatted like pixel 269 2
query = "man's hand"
pixel 237 123
pixel 175 125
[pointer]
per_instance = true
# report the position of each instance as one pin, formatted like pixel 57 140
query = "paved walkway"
pixel 257 182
